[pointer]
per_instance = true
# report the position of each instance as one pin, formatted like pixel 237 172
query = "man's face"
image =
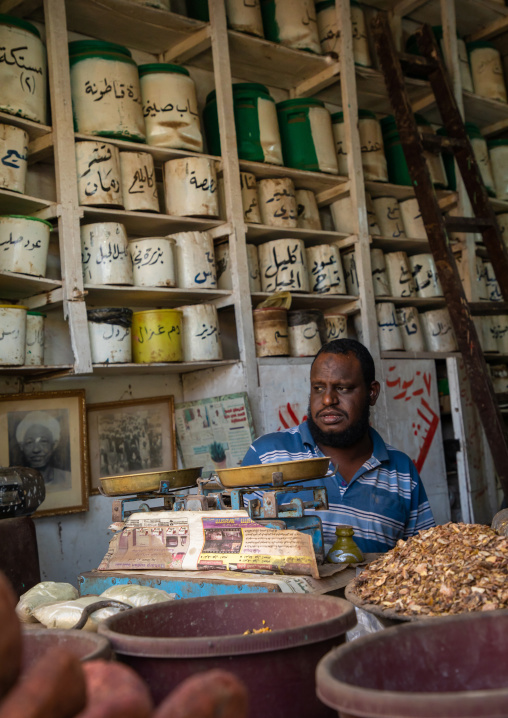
pixel 339 398
pixel 37 446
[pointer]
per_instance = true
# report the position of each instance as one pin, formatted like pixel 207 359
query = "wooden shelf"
pixel 148 224
pixel 285 361
pixel 303 179
pixel 347 304
pixel 99 295
pixel 488 308
pixel 17 203
pixel 14 285
pixel 431 302
pixel 260 233
pixel 485 113
pixel 34 129
pixel 159 368
pixel 402 244
pixel 36 372
pixel 499 205
pixel 418 355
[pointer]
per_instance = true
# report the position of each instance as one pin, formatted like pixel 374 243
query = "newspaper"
pixel 207 541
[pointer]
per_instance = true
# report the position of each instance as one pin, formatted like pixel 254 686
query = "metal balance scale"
pixel 276 504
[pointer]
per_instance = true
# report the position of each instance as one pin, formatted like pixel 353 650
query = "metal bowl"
pixel 147 482
pixel 262 474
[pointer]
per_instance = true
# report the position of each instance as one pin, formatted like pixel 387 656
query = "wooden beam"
pixel 19 7
pixel 223 230
pixel 423 103
pixel 318 82
pixel 44 300
pixel 495 128
pixel 489 31
pixel 51 212
pixel 405 7
pixel 327 196
pixel 193 45
pixel 40 149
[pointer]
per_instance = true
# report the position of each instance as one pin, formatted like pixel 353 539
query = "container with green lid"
pixel 34 341
pixel 25 243
pixel 291 23
pixel 257 131
pixel 487 70
pixel 245 17
pixel 498 150
pixel 371 141
pixel 106 96
pixel 329 31
pixel 465 71
pixel 170 107
pixel 481 153
pixel 23 74
pixel 307 136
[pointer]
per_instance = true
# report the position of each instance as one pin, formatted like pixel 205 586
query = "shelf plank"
pixel 484 112
pixel 34 129
pixel 418 355
pixel 347 304
pixel 303 179
pixel 259 233
pixel 36 372
pixel 159 368
pixel 17 203
pixel 145 224
pixel 99 295
pixel 400 244
pixel 434 302
pixel 487 308
pixel 285 361
pixel 14 285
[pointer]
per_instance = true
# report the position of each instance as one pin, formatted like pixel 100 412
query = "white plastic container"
pixel 245 16
pixel 170 107
pixel 271 331
pixel 139 186
pixel 502 220
pixel 190 187
pixel 13 158
pixel 388 217
pixel 500 327
pixel 325 270
pixel 493 290
pixel 105 255
pixel 223 265
pixel 250 199
pixel 399 274
pixel 372 222
pixel 390 337
pixel 99 179
pixel 109 330
pixel 34 339
pixel 344 215
pixel 23 76
pixel 195 260
pixel 379 276
pixel 335 325
pixel 409 324
pixel 499 162
pixel 487 337
pixel 329 32
pixel 339 136
pixel 438 331
pixel 307 209
pixel 328 28
pixel 322 137
pixel 277 202
pixel 152 262
pixel 200 333
pixel 304 334
pixel 283 266
pixel 412 219
pixel 481 280
pixel 350 273
pixel 24 243
pixel 482 157
pixel 254 271
pixel 424 272
pixel 487 70
pixel 296 24
pixel 372 147
pixel 13 334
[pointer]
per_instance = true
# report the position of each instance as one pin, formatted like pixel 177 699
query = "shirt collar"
pixel 379 451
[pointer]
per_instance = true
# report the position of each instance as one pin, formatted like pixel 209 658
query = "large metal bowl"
pixel 145 482
pixel 262 474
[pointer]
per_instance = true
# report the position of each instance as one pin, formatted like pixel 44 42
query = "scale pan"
pixel 261 474
pixel 146 482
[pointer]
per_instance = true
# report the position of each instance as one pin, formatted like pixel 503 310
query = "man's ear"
pixel 374 390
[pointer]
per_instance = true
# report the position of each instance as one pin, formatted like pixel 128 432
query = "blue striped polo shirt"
pixel 385 500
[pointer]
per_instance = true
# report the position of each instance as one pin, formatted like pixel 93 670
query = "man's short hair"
pixel 41 418
pixel 351 346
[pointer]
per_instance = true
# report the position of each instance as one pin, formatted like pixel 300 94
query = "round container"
pixel 361 50
pixel 157 336
pixel 412 219
pixel 85 645
pixel 350 274
pixel 379 276
pixel 386 684
pixel 328 28
pixel 502 220
pixel 307 210
pixel 13 154
pixel 388 217
pixel 105 254
pixel 277 202
pixel 254 272
pixel 499 373
pixel 170 107
pixel 304 332
pixel 283 267
pixel 307 136
pixel 438 331
pixel 339 136
pixel 200 333
pixel 23 76
pixel 195 260
pixel 390 336
pixel 109 330
pixel 291 23
pixel 24 242
pixel 371 216
pixel 399 274
pixel 106 97
pixel 99 179
pixel 493 291
pixel 325 270
pixel 371 142
pixel 152 262
pixel 481 153
pixel 425 278
pixel 245 17
pixel 344 215
pixel 223 265
pixel 465 72
pixel 487 70
pixel 408 321
pixel 250 200
pixel 488 341
pixel 190 187
pixel 499 161
pixel 335 325
pixel 481 278
pixel 13 333
pixel 257 129
pixel 434 162
pixel 271 331
pixel 34 339
pixel 139 186
pixel 500 331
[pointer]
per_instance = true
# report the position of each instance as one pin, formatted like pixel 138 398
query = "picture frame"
pixel 130 437
pixel 47 431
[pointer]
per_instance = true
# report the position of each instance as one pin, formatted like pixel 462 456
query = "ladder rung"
pixel 436 143
pixel 416 64
pixel 467 224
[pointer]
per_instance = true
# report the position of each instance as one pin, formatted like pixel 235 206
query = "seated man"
pixel 374 488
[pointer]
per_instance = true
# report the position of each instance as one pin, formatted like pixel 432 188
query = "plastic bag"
pixel 132 594
pixel 367 623
pixel 65 614
pixel 41 594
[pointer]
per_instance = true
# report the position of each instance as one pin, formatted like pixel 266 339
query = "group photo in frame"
pixel 46 431
pixel 131 437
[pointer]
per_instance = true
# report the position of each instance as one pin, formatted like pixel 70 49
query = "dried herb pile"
pixel 444 570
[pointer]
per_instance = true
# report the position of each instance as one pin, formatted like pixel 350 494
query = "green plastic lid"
pixel 239 87
pixel 81 47
pixel 24 216
pixel 161 67
pixel 31 313
pixel 299 102
pixel 323 5
pixel 497 143
pixel 473 130
pixel 388 123
pixel 18 22
pixel 480 44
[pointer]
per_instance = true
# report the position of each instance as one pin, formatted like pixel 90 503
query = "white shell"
pixel 297 24
pixel 250 200
pixel 23 76
pixel 412 219
pixel 195 260
pixel 277 202
pixel 223 265
pixel 388 217
pixel 12 335
pixel 426 280
pixel 487 72
pixel 350 274
pixel 499 163
pixel 336 326
pixel 438 330
pixel 13 158
pixel 410 329
pixel 254 271
pixel 379 275
pixel 152 262
pixel 99 180
pixel 105 254
pixel 324 142
pixel 190 187
pixel 307 210
pixel 282 265
pixel 200 333
pixel 24 245
pixel 34 340
pixel 390 337
pixel 399 274
pixel 245 16
pixel 325 270
pixel 139 186
pixel 110 343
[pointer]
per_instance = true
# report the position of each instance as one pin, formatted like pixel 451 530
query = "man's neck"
pixel 348 460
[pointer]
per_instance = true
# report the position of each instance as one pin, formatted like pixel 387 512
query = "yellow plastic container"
pixel 157 336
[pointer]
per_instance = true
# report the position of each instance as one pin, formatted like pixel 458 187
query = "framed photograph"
pixel 47 431
pixel 130 437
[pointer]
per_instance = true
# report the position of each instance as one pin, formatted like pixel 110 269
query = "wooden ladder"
pixel 430 65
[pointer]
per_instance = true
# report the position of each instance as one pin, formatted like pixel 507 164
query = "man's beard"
pixel 340 439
